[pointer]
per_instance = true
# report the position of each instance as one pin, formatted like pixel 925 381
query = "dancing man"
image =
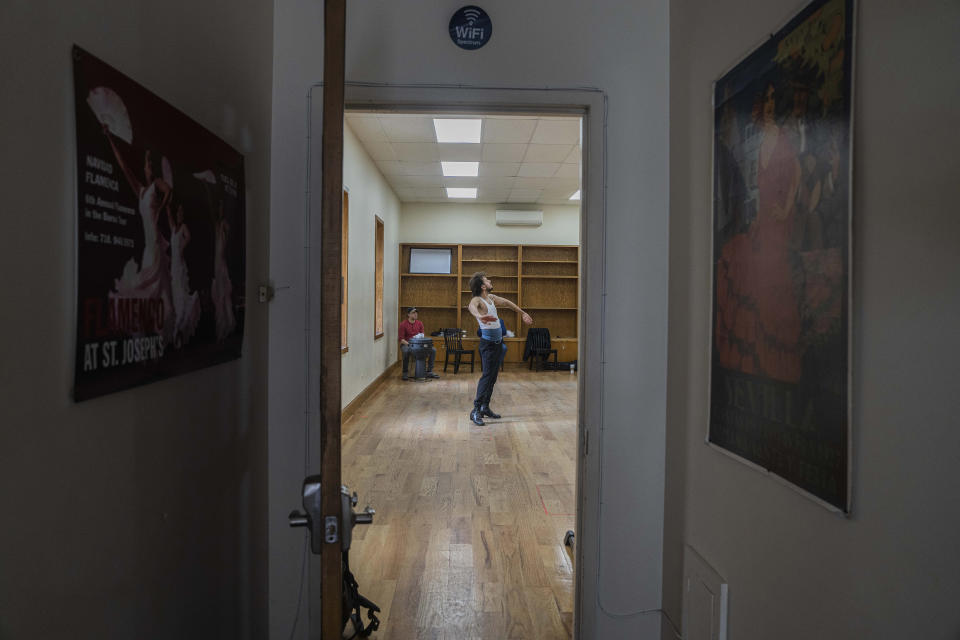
pixel 483 306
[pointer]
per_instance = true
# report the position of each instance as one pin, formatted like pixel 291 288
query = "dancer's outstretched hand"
pixel 526 318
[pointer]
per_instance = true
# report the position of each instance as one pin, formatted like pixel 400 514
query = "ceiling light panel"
pixel 460 168
pixel 457 130
pixel 462 192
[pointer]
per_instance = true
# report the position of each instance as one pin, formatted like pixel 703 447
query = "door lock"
pixel 330 529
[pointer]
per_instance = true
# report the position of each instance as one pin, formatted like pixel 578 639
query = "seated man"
pixel 408 329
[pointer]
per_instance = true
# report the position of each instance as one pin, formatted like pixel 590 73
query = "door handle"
pixel 331 531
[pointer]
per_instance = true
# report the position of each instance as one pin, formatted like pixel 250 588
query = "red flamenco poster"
pixel 780 365
pixel 160 237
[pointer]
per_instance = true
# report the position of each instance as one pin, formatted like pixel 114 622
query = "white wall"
pixel 370 196
pixel 140 513
pixel 619 47
pixel 476 224
pixel 796 571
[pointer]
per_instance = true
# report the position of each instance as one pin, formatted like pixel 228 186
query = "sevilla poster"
pixel 780 366
pixel 160 270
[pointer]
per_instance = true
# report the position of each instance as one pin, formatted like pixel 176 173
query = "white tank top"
pixel 491 311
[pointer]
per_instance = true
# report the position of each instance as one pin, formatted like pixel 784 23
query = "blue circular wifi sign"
pixel 470 28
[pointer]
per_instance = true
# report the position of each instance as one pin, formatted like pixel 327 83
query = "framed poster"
pixel 780 344
pixel 160 237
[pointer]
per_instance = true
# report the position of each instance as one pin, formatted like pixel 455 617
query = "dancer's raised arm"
pixel 497 300
pixel 166 194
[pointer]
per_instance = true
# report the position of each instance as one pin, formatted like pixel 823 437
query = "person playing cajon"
pixel 408 329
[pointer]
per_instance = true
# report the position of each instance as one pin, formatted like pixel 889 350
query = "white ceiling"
pixel 523 159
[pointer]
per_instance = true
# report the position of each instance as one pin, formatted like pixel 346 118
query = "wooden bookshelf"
pixel 542 279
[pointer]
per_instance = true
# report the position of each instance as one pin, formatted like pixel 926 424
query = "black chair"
pixel 537 348
pixel 454 345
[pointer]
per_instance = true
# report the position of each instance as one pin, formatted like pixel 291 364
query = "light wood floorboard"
pixel 467 542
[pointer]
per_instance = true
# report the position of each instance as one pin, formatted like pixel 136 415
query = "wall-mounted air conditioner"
pixel 514 218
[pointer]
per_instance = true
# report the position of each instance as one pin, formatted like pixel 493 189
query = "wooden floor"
pixel 467 542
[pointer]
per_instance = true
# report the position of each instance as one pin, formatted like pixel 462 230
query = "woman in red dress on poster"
pixel 758 313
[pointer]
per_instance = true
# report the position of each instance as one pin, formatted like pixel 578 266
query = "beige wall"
pixel 797 571
pixel 370 196
pixel 139 514
pixel 476 224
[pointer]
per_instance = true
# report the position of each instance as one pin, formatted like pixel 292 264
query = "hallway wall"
pixel 370 196
pixel 796 571
pixel 621 48
pixel 138 514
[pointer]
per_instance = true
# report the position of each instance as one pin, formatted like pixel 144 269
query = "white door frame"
pixel 591 105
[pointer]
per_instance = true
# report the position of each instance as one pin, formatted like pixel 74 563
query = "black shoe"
pixel 405 377
pixel 477 418
pixel 485 411
pixel 431 374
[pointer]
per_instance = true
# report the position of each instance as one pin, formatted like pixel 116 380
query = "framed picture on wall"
pixel 780 343
pixel 161 237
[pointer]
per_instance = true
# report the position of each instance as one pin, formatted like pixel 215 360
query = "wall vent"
pixel 514 218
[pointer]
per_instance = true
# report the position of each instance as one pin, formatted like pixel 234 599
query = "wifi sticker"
pixel 470 28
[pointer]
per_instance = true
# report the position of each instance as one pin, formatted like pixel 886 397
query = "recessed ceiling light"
pixel 576 196
pixel 461 192
pixel 457 130
pixel 460 168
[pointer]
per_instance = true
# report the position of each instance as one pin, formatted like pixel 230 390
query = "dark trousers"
pixel 405 350
pixel 503 356
pixel 491 353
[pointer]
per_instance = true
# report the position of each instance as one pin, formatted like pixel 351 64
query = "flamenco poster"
pixel 160 237
pixel 780 365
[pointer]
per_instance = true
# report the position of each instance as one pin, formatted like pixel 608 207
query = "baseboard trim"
pixel 348 411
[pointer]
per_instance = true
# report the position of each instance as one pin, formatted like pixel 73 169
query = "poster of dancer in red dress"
pixel 160 237
pixel 780 367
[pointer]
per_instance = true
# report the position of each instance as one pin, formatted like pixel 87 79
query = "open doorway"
pixel 470 531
